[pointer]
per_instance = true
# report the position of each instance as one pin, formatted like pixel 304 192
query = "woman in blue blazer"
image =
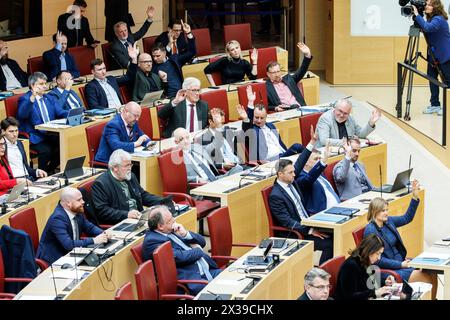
pixel 394 255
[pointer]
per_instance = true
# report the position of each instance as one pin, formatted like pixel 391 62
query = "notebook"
pixel 343 211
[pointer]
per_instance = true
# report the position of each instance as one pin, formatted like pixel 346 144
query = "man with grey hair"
pixel 191 261
pixel 317 285
pixel 186 110
pixel 337 123
pixel 117 194
pixel 65 226
pixel 11 75
pixel 35 108
pixel 123 40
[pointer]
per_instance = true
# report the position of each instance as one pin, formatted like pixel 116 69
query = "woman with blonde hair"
pixel 436 30
pixel 233 68
pixel 385 226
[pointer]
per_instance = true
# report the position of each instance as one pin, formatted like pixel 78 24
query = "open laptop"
pixel 150 98
pixel 16 191
pixel 401 181
pixel 261 260
pixel 73 168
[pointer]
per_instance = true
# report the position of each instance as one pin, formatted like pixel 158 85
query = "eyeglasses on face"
pixel 322 287
pixel 194 90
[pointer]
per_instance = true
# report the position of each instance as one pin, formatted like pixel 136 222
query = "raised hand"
pixel 304 49
pixel 347 147
pixel 415 189
pixel 186 27
pixel 59 36
pixel 150 12
pixel 314 136
pixel 251 96
pixel 133 52
pixel 241 111
pixel 376 115
pixel 181 95
pixel 254 56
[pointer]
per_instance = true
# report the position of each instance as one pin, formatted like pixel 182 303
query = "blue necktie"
pixel 43 109
pixel 62 57
pixel 74 101
pixel 298 202
pixel 201 263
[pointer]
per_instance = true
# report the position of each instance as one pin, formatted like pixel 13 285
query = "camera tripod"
pixel 411 56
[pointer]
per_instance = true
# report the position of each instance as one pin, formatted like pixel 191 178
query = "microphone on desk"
pixel 243 176
pixel 57 296
pixel 75 265
pixel 26 184
pixel 66 180
pixel 4 208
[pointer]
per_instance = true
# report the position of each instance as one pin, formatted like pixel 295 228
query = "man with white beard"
pixel 117 194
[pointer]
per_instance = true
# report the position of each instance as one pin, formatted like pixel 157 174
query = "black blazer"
pixel 352 281
pixel 110 203
pixel 30 170
pixel 21 75
pixel 176 116
pixel 182 45
pixel 290 81
pixel 74 36
pixel 120 53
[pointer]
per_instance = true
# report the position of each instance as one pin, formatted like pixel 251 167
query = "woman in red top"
pixel 7 180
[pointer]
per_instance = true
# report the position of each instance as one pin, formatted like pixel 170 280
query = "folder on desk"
pixel 328 217
pixel 343 211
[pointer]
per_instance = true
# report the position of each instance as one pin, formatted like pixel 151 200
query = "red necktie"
pixel 191 119
pixel 174 48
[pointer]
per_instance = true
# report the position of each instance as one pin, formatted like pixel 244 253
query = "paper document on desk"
pixel 66 259
pixel 55 125
pixel 69 274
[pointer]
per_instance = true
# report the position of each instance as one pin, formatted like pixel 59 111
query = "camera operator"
pixel 436 29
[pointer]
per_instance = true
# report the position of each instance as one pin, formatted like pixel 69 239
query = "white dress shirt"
pixel 15 160
pixel 73 223
pixel 111 94
pixel 274 147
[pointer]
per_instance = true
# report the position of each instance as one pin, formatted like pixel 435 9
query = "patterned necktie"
pixel 126 44
pixel 361 177
pixel 130 135
pixel 201 263
pixel 74 103
pixel 43 110
pixel 191 118
pixel 298 202
pixel 75 229
pixel 205 168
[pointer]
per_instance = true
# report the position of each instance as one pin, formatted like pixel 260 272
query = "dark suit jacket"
pixel 352 281
pixel 115 137
pixel 75 36
pixel 176 116
pixel 31 172
pixel 291 82
pixel 110 203
pixel 258 151
pixel 142 85
pixel 61 98
pixel 96 96
pixel 388 260
pixel 18 257
pixel 21 75
pixel 185 260
pixel 304 297
pixel 52 63
pixel 29 115
pixel 119 51
pixel 182 44
pixel 282 207
pixel 57 238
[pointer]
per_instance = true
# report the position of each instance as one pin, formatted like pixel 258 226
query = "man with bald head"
pixel 11 75
pixel 64 227
pixel 122 132
pixel 147 81
pixel 336 124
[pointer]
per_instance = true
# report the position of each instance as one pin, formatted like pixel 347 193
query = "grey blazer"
pixel 212 141
pixel 327 129
pixel 346 179
pixel 191 169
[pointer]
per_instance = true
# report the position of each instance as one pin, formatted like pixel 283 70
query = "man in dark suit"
pixel 317 285
pixel 115 11
pixel 58 58
pixel 146 81
pixel 191 261
pixel 35 108
pixel 286 204
pixel 186 110
pixel 76 26
pixel 124 40
pixel 15 152
pixel 265 143
pixel 173 39
pixel 11 75
pixel 117 194
pixel 103 91
pixel 282 92
pixel 65 226
pixel 122 132
pixel 63 93
pixel 171 65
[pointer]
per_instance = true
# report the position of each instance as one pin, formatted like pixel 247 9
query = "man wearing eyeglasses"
pixel 122 132
pixel 146 81
pixel 117 194
pixel 173 39
pixel 186 110
pixel 317 285
pixel 336 124
pixel 282 92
